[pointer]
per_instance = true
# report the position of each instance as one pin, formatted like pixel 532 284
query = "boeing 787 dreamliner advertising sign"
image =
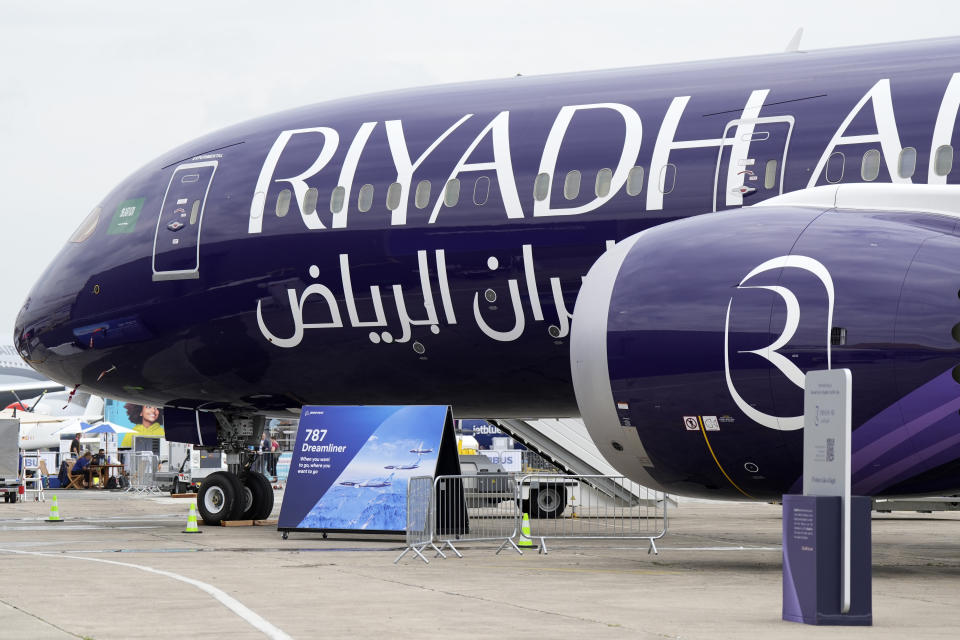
pixel 351 465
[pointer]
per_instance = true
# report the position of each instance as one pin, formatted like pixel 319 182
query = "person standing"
pixel 75 445
pixel 264 449
pixel 274 456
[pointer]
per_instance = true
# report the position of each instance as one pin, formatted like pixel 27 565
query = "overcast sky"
pixel 90 91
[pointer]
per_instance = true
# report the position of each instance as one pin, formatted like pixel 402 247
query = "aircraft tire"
pixel 262 496
pixel 549 501
pixel 219 498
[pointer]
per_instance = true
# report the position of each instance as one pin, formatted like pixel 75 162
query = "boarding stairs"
pixel 565 443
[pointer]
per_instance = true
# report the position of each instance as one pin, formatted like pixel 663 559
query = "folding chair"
pixel 76 480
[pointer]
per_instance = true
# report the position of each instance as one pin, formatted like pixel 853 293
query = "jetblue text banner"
pixel 350 466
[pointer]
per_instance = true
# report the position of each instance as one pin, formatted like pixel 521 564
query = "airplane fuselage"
pixel 427 246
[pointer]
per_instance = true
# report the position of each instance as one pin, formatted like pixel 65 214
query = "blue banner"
pixel 350 466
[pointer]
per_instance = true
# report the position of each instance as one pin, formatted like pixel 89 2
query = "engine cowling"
pixel 690 342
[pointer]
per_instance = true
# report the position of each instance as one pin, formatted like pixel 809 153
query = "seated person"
pixel 100 458
pixel 83 466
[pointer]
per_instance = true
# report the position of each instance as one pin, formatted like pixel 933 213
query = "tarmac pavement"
pixel 119 566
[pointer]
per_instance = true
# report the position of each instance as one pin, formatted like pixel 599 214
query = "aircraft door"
pixel 176 245
pixel 751 162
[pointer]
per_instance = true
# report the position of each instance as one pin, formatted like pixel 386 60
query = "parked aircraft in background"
pixel 50 416
pixel 18 380
pixel 428 246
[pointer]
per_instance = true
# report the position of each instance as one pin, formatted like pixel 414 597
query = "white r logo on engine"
pixel 771 352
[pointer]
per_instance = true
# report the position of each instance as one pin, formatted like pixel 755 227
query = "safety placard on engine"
pixel 710 423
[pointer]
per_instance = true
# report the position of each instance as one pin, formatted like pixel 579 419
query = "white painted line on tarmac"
pixel 252 618
pixel 777 548
pixel 73 527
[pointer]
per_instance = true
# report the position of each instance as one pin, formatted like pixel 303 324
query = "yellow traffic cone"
pixel 192 521
pixel 525 539
pixel 54 511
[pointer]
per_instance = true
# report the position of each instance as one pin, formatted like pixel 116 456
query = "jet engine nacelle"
pixel 690 342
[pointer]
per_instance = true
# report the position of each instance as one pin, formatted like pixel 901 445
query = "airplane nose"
pixel 43 329
pixel 44 312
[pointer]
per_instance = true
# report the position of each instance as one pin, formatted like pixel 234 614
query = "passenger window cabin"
pixel 422 197
pixel 365 198
pixel 907 162
pixel 602 186
pixel 635 181
pixel 451 194
pixel 283 203
pixel 310 200
pixel 943 160
pixel 668 178
pixel 393 195
pixel 336 199
pixel 481 190
pixel 770 174
pixel 870 165
pixel 835 164
pixel 834 173
pixel 571 185
pixel 541 187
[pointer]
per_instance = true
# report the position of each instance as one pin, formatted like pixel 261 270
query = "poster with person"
pixel 145 420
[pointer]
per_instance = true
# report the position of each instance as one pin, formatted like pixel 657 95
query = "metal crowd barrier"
pixel 593 512
pixel 472 508
pixel 142 470
pixel 421 516
pixel 265 462
pixel 490 507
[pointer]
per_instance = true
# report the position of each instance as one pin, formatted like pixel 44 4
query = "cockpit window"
pixel 86 228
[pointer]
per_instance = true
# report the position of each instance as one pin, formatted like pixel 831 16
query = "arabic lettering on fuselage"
pixel 380 326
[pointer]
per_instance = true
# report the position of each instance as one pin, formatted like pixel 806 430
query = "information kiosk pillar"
pixel 826 531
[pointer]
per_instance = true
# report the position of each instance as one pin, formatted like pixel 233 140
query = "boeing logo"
pixel 771 352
